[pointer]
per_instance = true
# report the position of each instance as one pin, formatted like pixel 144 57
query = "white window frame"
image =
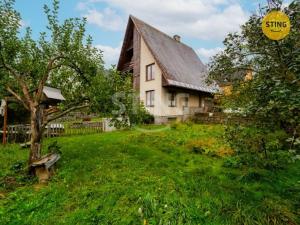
pixel 150 96
pixel 150 72
pixel 172 99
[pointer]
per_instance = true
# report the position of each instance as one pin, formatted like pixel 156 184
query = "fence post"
pixel 5 123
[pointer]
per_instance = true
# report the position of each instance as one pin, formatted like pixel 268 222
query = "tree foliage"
pixel 272 97
pixel 63 57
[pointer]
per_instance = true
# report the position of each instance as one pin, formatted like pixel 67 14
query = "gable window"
pixel 150 72
pixel 172 99
pixel 150 98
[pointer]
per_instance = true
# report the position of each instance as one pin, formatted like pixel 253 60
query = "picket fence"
pixel 21 132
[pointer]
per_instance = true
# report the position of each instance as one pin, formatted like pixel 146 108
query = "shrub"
pixel 259 147
pixel 147 118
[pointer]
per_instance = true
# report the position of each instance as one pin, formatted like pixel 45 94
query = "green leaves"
pixel 272 97
pixel 275 65
pixel 62 56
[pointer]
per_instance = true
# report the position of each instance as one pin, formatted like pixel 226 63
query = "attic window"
pixel 150 72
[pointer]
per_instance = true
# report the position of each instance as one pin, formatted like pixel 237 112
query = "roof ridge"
pixel 179 63
pixel 168 36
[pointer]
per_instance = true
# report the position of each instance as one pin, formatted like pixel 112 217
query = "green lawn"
pixel 155 177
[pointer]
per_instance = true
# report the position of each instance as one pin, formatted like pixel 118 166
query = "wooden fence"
pixel 18 133
pixel 21 133
pixel 81 128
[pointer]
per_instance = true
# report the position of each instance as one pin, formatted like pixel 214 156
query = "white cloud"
pixel 110 54
pixel 205 19
pixel 81 6
pixel 205 54
pixel 197 19
pixel 107 18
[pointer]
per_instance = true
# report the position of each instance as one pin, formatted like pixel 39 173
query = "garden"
pixel 179 174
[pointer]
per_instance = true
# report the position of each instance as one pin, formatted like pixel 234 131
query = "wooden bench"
pixel 44 167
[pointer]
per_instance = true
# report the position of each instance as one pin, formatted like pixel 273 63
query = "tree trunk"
pixel 36 121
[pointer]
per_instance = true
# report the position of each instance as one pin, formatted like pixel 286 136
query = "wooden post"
pixel 5 123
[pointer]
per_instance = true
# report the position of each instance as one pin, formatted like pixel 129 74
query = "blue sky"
pixel 202 24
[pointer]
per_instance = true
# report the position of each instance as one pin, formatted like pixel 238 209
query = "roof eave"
pixel 174 83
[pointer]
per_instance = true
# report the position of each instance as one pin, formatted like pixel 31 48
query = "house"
pixel 242 76
pixel 167 74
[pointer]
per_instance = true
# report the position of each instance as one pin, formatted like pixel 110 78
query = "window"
pixel 201 102
pixel 150 98
pixel 186 101
pixel 150 72
pixel 172 99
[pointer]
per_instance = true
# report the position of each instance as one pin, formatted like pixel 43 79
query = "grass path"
pixel 133 177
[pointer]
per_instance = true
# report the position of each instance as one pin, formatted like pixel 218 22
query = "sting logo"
pixel 276 25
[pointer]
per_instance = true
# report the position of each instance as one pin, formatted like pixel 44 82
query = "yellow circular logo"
pixel 276 25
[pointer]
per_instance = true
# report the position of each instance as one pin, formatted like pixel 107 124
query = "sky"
pixel 202 24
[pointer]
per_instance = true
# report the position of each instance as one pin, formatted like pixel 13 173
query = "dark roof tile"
pixel 179 63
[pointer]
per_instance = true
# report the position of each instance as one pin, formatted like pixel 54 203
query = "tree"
pixel 62 56
pixel 272 97
pixel 119 100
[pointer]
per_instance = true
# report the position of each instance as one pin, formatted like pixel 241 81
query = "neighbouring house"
pixel 226 87
pixel 167 74
pixel 241 76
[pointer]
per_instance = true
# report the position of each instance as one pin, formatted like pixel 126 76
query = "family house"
pixel 167 74
pixel 241 77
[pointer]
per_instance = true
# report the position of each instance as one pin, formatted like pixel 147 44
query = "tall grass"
pixel 135 177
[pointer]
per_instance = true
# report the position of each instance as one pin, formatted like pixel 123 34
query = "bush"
pixel 259 147
pixel 134 116
pixel 141 116
pixel 147 118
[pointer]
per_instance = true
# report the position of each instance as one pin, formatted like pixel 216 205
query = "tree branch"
pixel 17 76
pixel 44 79
pixel 78 71
pixel 51 111
pixel 61 114
pixel 18 97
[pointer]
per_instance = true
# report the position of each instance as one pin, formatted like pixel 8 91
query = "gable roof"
pixel 179 63
pixel 53 93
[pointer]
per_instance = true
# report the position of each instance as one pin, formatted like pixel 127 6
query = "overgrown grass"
pixel 172 175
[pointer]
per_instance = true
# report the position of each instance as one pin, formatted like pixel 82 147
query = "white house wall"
pixel 156 84
pixel 161 100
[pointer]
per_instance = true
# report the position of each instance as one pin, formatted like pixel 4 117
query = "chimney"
pixel 176 37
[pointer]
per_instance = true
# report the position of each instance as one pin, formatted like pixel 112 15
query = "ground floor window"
pixel 201 102
pixel 172 99
pixel 150 98
pixel 186 101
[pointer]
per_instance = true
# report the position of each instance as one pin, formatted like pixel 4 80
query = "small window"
pixel 150 98
pixel 150 72
pixel 172 99
pixel 201 102
pixel 186 101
